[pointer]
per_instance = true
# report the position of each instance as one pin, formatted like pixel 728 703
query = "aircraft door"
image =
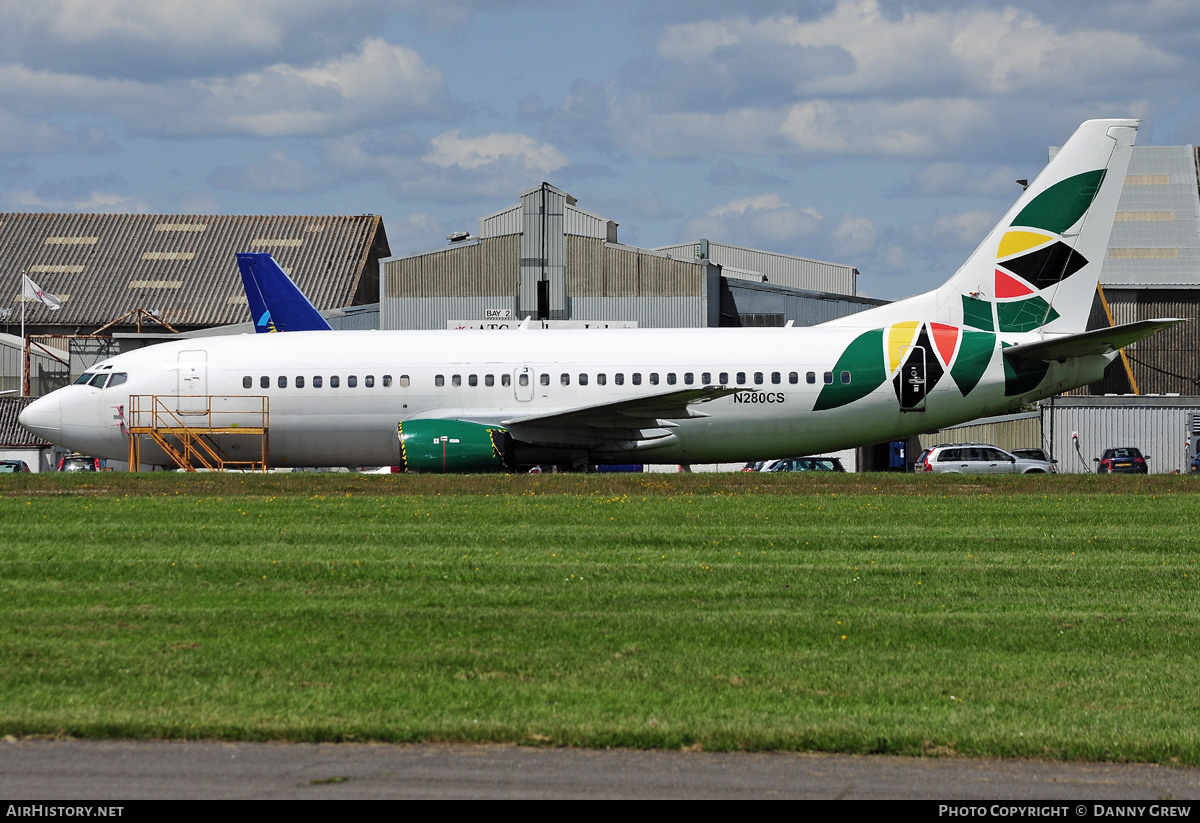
pixel 911 382
pixel 523 383
pixel 192 387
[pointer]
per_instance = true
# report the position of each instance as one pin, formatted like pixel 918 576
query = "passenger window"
pixel 811 377
pixel 776 378
pixel 523 379
pixel 299 381
pixel 369 381
pixel 828 378
pixel 351 381
pixel 565 379
pixel 472 380
pixel 282 382
pixel 619 378
pixel 793 377
pixel 264 382
pixel 741 378
pixel 489 380
pixel 601 379
pixel 670 378
pixel 544 378
pixel 583 379
pixel 316 381
pixel 706 378
pixel 334 382
pixel 456 380
pixel 724 378
pixel 247 381
pixel 637 378
pixel 405 381
pixel 118 379
pixel 687 378
pixel 653 378
pixel 439 380
pixel 506 380
pixel 758 378
pixel 845 378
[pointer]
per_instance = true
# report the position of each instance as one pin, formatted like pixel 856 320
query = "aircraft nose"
pixel 43 417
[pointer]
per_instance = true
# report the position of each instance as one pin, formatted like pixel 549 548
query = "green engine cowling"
pixel 453 446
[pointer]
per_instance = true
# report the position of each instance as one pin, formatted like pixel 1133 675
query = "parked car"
pixel 79 463
pixel 1122 460
pixel 13 466
pixel 807 464
pixel 978 458
pixel 1034 454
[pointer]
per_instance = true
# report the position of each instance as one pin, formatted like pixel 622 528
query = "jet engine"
pixel 453 446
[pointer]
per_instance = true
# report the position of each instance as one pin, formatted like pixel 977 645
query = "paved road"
pixel 130 770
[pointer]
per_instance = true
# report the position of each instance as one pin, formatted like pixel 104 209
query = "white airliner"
pixel 1006 329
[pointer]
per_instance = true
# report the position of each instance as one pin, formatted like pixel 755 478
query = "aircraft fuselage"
pixel 336 399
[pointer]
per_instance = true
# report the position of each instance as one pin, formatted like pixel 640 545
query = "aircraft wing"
pixel 1088 343
pixel 636 423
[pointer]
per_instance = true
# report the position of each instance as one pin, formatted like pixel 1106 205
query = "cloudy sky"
pixel 885 135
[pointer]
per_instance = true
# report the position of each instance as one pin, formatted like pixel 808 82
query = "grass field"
pixel 1046 617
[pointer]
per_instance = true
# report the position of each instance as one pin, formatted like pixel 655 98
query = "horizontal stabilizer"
pixel 1090 343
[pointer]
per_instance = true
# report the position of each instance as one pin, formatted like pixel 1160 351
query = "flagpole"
pixel 24 342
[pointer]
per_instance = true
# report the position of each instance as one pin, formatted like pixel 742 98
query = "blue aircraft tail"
pixel 276 303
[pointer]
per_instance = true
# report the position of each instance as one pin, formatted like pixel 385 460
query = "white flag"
pixel 34 291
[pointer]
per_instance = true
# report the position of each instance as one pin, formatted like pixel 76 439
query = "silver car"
pixel 978 458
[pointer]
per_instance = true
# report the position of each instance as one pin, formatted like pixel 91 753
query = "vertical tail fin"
pixel 1037 270
pixel 276 303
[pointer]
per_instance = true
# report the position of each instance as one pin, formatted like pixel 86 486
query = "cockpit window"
pixel 84 378
pixel 117 379
pixel 99 380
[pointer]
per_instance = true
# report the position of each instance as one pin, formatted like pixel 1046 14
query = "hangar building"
pixel 547 259
pixel 132 275
pixel 1153 270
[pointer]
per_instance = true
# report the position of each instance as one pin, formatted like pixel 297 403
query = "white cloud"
pixel 417 231
pixel 451 167
pixel 985 50
pixel 854 237
pixel 862 78
pixel 942 178
pixel 905 128
pixel 521 150
pixel 763 220
pixel 91 201
pixel 277 173
pixel 963 230
pixel 381 83
pixel 25 135
pixel 156 41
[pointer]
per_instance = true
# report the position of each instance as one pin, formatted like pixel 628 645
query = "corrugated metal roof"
pixel 182 266
pixel 782 269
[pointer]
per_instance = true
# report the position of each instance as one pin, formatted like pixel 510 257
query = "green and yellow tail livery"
pixel 1020 302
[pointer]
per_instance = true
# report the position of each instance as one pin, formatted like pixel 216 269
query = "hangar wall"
pixel 547 259
pixel 1159 426
pixel 1166 428
pixel 741 263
